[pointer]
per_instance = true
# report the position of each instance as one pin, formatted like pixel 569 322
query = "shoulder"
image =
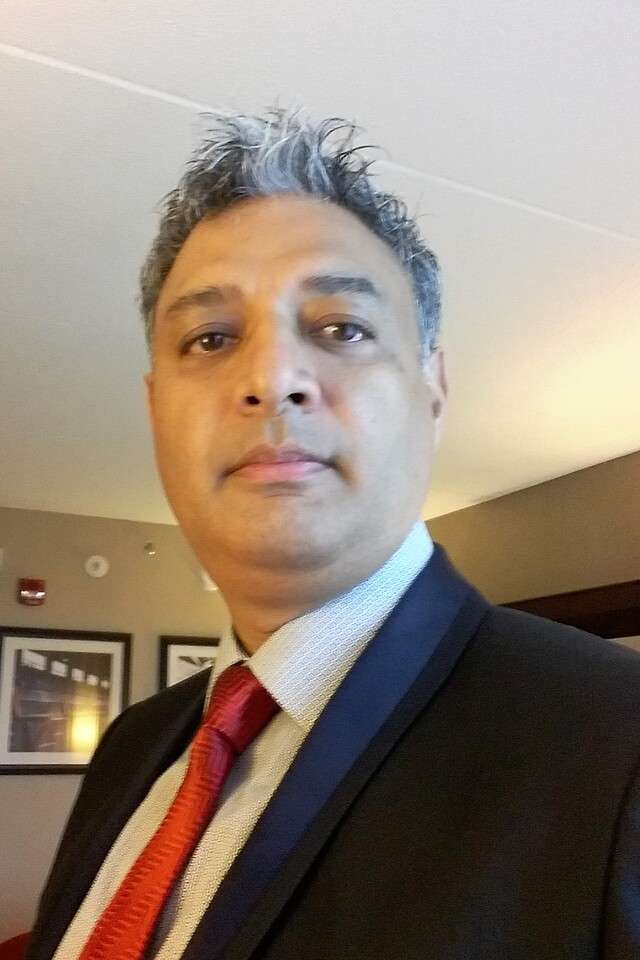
pixel 527 634
pixel 162 708
pixel 172 699
pixel 136 730
pixel 565 667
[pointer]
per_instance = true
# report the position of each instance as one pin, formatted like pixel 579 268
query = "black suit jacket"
pixel 470 792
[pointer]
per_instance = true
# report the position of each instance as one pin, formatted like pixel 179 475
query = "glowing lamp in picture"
pixel 84 732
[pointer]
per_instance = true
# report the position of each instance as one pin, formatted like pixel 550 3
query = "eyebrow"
pixel 207 296
pixel 329 283
pixel 326 283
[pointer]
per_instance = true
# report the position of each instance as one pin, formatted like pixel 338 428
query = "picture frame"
pixel 182 656
pixel 59 691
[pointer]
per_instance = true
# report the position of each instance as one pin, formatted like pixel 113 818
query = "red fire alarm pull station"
pixel 32 592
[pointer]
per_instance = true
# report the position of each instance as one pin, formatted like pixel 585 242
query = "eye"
pixel 347 331
pixel 208 342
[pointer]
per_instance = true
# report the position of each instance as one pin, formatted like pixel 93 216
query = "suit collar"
pixel 391 683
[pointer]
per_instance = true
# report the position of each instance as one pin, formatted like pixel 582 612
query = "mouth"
pixel 287 463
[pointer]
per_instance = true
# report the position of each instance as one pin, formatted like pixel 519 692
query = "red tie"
pixel 239 709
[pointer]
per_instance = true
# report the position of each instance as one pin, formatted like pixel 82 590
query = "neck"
pixel 259 607
pixel 261 599
pixel 252 631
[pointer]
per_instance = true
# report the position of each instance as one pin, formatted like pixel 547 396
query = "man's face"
pixel 279 351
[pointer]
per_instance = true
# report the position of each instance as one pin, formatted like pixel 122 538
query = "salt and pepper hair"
pixel 248 156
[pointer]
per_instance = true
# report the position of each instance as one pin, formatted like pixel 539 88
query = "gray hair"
pixel 245 156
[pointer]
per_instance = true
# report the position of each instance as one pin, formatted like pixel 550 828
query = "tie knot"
pixel 240 707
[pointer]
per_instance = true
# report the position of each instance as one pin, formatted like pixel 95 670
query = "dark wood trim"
pixel 609 611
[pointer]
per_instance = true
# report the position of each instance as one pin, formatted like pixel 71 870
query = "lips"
pixel 286 463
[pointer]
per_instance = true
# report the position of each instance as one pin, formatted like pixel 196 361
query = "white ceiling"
pixel 514 129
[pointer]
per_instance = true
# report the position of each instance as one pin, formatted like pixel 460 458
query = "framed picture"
pixel 181 657
pixel 59 690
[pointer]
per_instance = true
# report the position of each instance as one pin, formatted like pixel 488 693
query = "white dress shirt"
pixel 301 665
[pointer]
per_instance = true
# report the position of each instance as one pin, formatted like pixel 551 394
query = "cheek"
pixel 182 432
pixel 380 416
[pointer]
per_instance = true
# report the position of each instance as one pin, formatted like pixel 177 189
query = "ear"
pixel 435 376
pixel 149 393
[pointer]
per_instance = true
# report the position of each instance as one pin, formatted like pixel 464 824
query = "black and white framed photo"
pixel 181 657
pixel 59 690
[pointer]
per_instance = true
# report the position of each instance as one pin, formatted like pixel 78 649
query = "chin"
pixel 276 544
pixel 307 547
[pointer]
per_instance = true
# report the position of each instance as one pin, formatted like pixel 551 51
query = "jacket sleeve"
pixel 621 934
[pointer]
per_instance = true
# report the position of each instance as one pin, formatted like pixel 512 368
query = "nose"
pixel 276 376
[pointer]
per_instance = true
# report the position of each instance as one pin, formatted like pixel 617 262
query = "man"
pixel 425 775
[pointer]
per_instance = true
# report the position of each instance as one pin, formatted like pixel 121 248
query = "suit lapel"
pixel 402 668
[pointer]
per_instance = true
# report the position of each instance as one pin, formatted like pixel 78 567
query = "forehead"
pixel 277 237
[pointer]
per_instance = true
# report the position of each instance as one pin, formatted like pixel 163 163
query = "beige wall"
pixel 141 595
pixel 578 531
pixel 574 532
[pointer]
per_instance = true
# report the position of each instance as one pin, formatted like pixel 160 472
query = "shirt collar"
pixel 304 662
